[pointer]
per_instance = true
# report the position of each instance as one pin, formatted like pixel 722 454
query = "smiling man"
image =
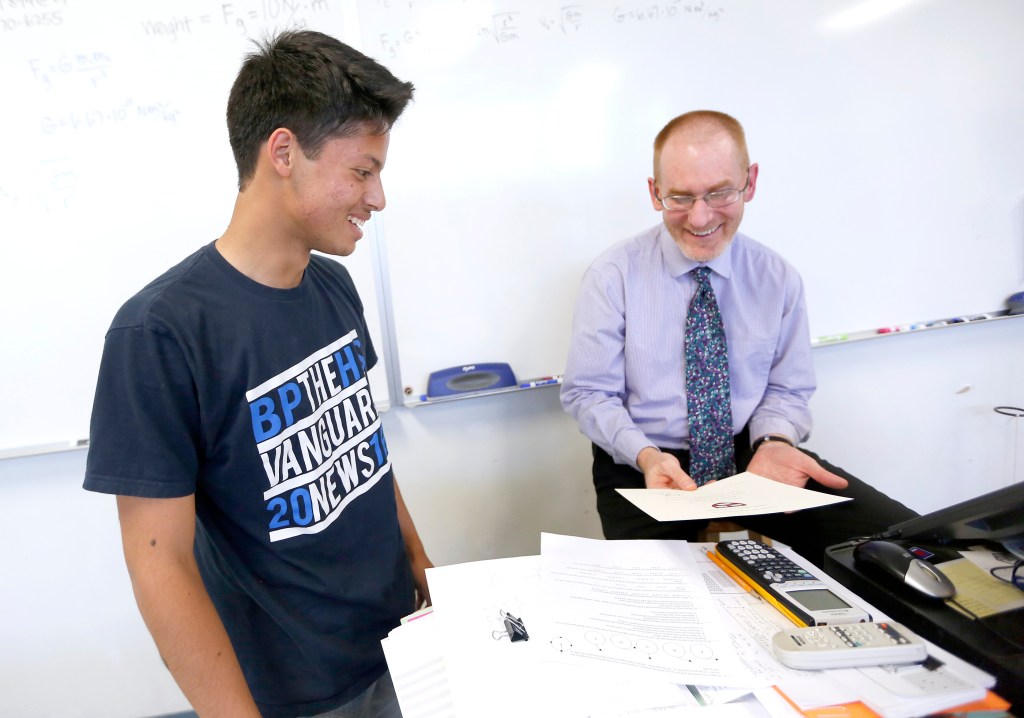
pixel 690 357
pixel 268 545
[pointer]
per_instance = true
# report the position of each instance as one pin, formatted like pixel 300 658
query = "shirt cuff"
pixel 772 428
pixel 629 448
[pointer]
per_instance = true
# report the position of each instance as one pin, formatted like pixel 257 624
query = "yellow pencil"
pixel 733 572
pixel 728 571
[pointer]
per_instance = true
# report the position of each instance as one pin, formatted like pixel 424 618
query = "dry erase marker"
pixel 540 382
pixel 888 330
pixel 831 338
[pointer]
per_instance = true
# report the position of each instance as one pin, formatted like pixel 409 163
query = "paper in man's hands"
pixel 744 494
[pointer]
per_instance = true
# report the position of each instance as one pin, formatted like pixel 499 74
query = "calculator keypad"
pixel 853 635
pixel 767 562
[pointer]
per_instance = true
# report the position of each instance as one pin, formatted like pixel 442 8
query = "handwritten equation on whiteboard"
pixel 103 70
pixel 276 13
pixel 31 15
pixel 418 22
pixel 41 16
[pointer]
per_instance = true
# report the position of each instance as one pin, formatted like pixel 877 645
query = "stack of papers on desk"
pixel 909 691
pixel 622 629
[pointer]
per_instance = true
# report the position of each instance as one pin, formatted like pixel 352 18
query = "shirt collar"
pixel 679 264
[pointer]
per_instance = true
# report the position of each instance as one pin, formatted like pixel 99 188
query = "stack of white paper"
pixel 628 629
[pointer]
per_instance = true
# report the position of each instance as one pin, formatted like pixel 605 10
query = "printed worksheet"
pixel 639 605
pixel 744 494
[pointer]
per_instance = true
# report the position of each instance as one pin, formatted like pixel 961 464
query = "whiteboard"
pixel 117 166
pixel 889 153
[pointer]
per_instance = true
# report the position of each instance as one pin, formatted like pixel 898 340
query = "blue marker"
pixel 541 382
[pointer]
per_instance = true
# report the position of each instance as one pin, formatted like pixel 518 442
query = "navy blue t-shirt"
pixel 256 400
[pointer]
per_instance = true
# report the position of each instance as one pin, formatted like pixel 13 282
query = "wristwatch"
pixel 770 437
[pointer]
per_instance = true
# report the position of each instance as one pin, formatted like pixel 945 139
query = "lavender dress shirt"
pixel 625 379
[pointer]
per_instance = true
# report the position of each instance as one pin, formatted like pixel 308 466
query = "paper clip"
pixel 515 630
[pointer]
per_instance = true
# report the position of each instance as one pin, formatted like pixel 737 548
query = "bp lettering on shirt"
pixel 319 438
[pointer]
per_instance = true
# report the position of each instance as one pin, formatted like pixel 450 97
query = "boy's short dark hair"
pixel 317 87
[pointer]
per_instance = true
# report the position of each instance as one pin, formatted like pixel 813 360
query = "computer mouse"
pixel 899 563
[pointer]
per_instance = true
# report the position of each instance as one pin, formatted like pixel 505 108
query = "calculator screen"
pixel 818 599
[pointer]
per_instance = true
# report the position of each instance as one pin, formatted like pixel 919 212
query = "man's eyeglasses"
pixel 1012 573
pixel 715 200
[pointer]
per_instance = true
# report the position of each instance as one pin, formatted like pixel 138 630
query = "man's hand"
pixel 663 471
pixel 778 461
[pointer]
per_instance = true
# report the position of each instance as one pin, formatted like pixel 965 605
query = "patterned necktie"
pixel 712 454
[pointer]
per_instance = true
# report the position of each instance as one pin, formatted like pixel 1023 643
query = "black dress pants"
pixel 808 532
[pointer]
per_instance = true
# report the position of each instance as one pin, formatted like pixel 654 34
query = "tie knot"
pixel 701 274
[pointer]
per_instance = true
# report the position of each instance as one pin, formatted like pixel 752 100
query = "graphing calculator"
pixel 801 597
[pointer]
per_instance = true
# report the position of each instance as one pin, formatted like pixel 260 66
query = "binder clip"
pixel 514 629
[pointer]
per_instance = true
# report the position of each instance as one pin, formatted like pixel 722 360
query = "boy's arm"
pixel 157 536
pixel 414 548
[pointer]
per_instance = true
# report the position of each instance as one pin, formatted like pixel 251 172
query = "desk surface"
pixel 942 625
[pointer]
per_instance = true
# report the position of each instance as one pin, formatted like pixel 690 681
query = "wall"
pixel 913 414
pixel 483 478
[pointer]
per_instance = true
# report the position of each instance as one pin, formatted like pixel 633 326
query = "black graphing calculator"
pixel 801 597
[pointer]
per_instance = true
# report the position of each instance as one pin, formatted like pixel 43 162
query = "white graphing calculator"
pixel 848 645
